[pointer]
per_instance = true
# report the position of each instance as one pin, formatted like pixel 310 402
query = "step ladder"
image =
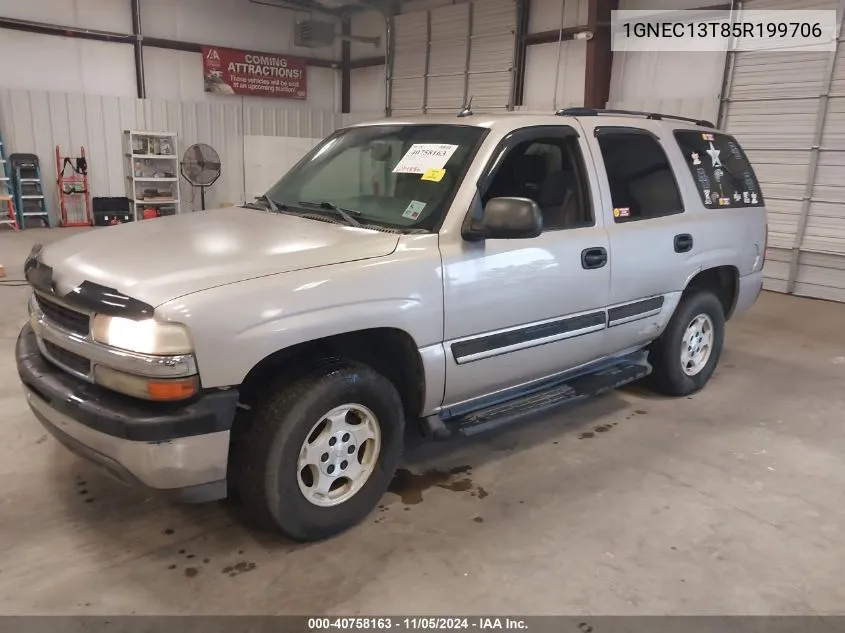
pixel 30 201
pixel 8 216
pixel 74 193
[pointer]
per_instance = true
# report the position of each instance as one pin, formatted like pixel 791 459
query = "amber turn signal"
pixel 172 389
pixel 158 389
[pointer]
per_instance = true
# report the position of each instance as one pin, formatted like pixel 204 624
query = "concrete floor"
pixel 726 502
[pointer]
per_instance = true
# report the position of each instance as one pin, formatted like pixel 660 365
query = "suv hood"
pixel 164 258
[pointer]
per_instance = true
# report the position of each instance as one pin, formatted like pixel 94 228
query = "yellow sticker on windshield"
pixel 434 175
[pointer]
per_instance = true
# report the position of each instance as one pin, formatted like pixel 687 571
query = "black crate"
pixel 108 219
pixel 111 205
pixel 108 211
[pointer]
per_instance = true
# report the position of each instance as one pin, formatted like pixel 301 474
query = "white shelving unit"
pixel 151 167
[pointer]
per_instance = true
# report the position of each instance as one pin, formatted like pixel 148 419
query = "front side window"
pixel 642 184
pixel 549 172
pixel 720 169
pixel 398 176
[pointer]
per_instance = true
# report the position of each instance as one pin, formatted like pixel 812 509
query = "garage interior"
pixel 724 502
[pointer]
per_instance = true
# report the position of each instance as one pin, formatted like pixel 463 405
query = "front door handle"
pixel 683 243
pixel 593 257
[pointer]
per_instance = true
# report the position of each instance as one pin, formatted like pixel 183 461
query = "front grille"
pixel 71 320
pixel 70 360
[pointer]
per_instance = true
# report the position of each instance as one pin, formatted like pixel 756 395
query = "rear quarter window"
pixel 721 171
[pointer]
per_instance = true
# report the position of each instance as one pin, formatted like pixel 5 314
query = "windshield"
pixel 400 176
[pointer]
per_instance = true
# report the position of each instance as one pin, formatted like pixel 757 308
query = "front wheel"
pixel 685 356
pixel 320 451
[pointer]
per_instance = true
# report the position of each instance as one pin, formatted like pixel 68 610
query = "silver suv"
pixel 450 273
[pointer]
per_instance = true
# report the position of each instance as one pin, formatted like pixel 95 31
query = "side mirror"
pixel 510 219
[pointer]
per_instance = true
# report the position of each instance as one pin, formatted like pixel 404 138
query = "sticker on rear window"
pixel 424 156
pixel 721 171
pixel 414 209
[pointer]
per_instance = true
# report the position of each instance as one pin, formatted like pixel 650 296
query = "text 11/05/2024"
pixel 420 623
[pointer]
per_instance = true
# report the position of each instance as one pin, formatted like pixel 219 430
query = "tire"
pixel 665 354
pixel 268 478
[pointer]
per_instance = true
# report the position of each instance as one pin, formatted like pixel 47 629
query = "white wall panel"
pixel 545 15
pixel 103 68
pixel 267 158
pixel 682 83
pixel 540 62
pixel 35 122
pixel 367 90
pixel 33 61
pixel 686 84
pixel 232 23
pixel 105 15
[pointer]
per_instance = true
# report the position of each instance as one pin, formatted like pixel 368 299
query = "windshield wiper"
pixel 263 203
pixel 346 214
pixel 270 202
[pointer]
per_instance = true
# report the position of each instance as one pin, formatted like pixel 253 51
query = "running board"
pixel 574 390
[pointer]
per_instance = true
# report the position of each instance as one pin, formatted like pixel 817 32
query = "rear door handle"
pixel 593 257
pixel 683 243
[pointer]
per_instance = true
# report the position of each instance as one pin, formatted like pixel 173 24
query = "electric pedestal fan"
pixel 201 167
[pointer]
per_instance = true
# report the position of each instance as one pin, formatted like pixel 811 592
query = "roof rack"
pixel 655 116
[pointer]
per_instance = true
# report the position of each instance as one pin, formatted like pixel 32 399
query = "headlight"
pixel 145 337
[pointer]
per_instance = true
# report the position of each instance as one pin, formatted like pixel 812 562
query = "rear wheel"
pixel 685 356
pixel 320 451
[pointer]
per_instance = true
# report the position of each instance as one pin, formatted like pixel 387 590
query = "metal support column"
pixel 468 96
pixel 427 60
pixel 523 7
pixel 388 64
pixel 345 70
pixel 559 50
pixel 728 73
pixel 138 45
pixel 599 53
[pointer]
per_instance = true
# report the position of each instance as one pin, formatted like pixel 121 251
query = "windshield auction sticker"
pixel 422 157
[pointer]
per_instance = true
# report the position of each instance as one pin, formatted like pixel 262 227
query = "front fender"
pixel 235 327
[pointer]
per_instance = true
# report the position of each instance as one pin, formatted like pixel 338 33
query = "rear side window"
pixel 720 169
pixel 642 184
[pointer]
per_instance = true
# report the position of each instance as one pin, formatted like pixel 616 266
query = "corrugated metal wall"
pixel 33 121
pixel 446 54
pixel 787 108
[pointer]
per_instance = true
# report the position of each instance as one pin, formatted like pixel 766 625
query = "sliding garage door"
pixel 446 55
pixel 788 110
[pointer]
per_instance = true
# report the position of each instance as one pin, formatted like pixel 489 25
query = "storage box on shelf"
pixel 151 166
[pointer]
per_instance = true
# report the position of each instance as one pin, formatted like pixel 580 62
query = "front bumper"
pixel 177 448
